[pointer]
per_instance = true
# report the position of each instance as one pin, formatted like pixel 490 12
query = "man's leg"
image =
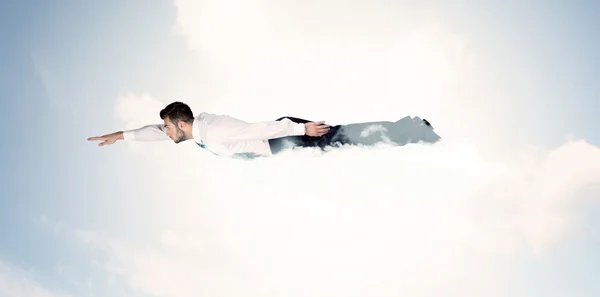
pixel 401 132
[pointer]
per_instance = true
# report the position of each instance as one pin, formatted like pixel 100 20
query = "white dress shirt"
pixel 224 135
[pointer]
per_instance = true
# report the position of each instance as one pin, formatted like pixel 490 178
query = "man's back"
pixel 227 136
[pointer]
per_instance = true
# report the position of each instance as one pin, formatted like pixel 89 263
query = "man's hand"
pixel 108 138
pixel 316 129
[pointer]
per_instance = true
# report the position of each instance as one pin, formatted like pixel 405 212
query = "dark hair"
pixel 177 111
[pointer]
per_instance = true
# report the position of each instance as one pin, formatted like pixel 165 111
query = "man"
pixel 227 136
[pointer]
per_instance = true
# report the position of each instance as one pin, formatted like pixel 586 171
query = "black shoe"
pixel 427 123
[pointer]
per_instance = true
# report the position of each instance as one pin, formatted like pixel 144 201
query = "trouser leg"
pixel 404 131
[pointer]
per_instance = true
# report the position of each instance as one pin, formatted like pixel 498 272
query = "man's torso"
pixel 206 129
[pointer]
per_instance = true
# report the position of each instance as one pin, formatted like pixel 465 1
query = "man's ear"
pixel 181 124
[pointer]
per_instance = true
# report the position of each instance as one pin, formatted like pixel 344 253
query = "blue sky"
pixel 67 67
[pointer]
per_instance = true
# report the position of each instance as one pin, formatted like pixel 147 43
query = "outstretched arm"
pixel 146 133
pixel 155 132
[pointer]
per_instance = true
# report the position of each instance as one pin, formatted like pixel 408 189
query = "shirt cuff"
pixel 128 135
pixel 299 129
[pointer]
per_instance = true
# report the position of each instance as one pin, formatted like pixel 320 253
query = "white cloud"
pixel 412 221
pixel 416 221
pixel 137 110
pixel 45 222
pixel 545 197
pixel 16 282
pixel 323 59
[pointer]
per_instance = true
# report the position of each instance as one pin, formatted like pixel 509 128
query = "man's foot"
pixel 427 123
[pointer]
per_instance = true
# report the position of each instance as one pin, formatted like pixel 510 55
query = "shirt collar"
pixel 196 130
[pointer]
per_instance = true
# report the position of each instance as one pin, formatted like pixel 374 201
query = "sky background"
pixel 506 205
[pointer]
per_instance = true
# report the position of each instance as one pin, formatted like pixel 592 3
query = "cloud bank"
pixel 15 282
pixel 411 221
pixel 443 220
pixel 332 60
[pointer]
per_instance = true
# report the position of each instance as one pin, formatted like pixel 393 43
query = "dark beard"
pixel 180 136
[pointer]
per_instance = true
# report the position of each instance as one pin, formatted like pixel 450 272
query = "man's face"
pixel 173 131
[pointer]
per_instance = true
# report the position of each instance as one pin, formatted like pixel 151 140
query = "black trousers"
pixel 401 132
pixel 279 144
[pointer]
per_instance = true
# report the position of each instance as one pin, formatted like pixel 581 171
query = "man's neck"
pixel 188 135
pixel 189 132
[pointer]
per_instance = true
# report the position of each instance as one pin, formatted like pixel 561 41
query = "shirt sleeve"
pixel 146 133
pixel 229 129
